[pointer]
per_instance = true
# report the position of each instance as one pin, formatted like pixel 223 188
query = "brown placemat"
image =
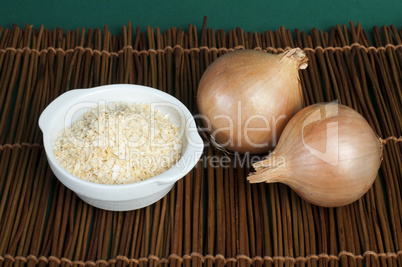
pixel 213 216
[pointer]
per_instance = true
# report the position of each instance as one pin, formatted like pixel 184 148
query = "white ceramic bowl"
pixel 71 105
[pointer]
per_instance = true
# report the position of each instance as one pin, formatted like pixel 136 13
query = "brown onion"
pixel 246 97
pixel 327 153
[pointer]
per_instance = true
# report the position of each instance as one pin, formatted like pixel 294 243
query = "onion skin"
pixel 248 89
pixel 330 175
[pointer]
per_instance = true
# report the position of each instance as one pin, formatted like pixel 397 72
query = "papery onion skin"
pixel 330 175
pixel 248 89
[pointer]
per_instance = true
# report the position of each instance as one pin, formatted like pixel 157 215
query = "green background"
pixel 222 14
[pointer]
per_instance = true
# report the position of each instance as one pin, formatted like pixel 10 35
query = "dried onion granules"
pixel 119 143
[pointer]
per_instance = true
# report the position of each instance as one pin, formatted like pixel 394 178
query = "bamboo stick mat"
pixel 213 216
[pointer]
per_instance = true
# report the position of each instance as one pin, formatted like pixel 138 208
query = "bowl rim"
pixel 172 175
